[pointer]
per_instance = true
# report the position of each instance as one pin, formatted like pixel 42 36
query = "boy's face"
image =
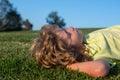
pixel 70 35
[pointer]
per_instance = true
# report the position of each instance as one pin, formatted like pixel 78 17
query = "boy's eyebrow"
pixel 59 30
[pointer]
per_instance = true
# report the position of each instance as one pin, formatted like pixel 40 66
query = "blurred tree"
pixel 5 7
pixel 1 24
pixel 53 18
pixel 13 21
pixel 9 18
pixel 28 25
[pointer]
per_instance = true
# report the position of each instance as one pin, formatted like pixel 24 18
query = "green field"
pixel 16 63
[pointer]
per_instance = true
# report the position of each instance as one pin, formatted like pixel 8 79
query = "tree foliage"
pixel 10 19
pixel 53 18
pixel 13 21
pixel 27 24
pixel 5 7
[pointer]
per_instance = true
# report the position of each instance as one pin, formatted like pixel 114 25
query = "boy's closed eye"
pixel 68 33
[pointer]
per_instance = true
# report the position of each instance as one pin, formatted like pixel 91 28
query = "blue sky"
pixel 76 13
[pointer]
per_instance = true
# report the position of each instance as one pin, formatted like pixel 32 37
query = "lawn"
pixel 17 64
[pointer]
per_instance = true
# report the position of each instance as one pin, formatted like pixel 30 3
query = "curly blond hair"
pixel 49 50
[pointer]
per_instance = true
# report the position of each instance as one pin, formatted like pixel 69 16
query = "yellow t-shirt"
pixel 104 43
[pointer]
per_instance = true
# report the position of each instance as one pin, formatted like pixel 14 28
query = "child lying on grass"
pixel 69 48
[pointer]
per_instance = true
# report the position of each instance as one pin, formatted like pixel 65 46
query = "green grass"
pixel 16 63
